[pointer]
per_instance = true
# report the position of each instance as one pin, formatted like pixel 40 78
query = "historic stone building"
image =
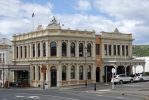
pixel 56 56
pixel 117 53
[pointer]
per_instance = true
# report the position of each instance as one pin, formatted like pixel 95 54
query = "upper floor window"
pixel 114 50
pixel 53 48
pixel 44 49
pixel 126 50
pixel 123 50
pixel 25 51
pixel 64 49
pixel 72 49
pixel 110 50
pixel 105 49
pixel 38 49
pixel 81 50
pixel 89 50
pixel 118 50
pixel 97 49
pixel 17 52
pixel 33 50
pixel 21 51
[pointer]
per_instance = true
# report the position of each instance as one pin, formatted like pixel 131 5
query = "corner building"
pixel 56 56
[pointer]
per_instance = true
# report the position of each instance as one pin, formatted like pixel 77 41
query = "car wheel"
pixel 131 81
pixel 121 82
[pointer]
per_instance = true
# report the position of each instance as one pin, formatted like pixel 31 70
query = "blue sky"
pixel 129 16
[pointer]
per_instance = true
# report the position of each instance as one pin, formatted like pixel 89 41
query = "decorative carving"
pixel 53 23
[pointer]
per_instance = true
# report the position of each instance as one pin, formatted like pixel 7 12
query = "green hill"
pixel 140 50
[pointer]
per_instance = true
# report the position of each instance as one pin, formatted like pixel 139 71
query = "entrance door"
pixel 97 74
pixel 53 76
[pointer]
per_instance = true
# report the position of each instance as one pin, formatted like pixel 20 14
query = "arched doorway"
pixel 53 76
pixel 129 70
pixel 120 70
pixel 97 74
pixel 108 73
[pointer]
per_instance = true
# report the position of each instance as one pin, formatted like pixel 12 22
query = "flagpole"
pixel 33 15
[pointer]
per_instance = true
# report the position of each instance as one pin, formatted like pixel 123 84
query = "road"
pixel 135 91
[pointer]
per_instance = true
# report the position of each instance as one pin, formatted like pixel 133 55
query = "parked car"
pixel 144 77
pixel 122 78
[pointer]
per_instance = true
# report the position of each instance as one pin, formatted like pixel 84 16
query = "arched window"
pixel 81 73
pixel 81 50
pixel 89 72
pixel 33 50
pixel 21 51
pixel 38 49
pixel 53 48
pixel 17 52
pixel 72 49
pixel 64 73
pixel 44 49
pixel 89 50
pixel 25 51
pixel 64 49
pixel 72 72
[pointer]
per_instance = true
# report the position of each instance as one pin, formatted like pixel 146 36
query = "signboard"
pixel 113 70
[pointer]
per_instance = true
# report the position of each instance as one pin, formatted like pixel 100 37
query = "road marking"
pixel 120 97
pixel 50 96
pixel 18 96
pixel 34 97
pixel 99 95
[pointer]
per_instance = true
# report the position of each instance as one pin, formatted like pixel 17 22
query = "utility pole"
pixel 85 66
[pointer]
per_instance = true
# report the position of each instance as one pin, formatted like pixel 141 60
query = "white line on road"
pixel 18 96
pixel 34 97
pixel 50 96
pixel 120 97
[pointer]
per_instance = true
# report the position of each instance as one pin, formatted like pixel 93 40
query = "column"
pixel 59 48
pixel 112 49
pixel 28 51
pixel 121 50
pixel 143 68
pixel 125 66
pixel 115 66
pixel 77 73
pixel 19 53
pixel 47 75
pixel 59 75
pixel 77 49
pixel 23 51
pixel 93 49
pixel 47 49
pixel 85 49
pixel 31 74
pixel 31 55
pixel 107 49
pixel 41 49
pixel 85 72
pixel 36 75
pixel 68 74
pixel 68 49
pixel 93 75
pixel 36 50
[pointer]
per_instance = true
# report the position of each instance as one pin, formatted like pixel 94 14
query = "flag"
pixel 33 15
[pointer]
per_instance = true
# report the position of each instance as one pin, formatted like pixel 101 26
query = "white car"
pixel 122 78
pixel 144 77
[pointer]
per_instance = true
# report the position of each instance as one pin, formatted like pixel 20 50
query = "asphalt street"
pixel 135 91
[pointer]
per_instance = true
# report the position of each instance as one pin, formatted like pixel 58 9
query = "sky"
pixel 129 16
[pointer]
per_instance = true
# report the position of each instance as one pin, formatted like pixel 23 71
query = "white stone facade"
pixel 56 56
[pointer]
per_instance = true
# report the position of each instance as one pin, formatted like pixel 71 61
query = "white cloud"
pixel 16 16
pixel 83 5
pixel 131 16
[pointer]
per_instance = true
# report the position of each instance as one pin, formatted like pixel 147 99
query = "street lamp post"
pixel 3 74
pixel 85 67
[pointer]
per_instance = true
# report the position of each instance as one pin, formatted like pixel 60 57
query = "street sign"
pixel 113 70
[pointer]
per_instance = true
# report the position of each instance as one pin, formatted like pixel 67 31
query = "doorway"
pixel 97 74
pixel 53 76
